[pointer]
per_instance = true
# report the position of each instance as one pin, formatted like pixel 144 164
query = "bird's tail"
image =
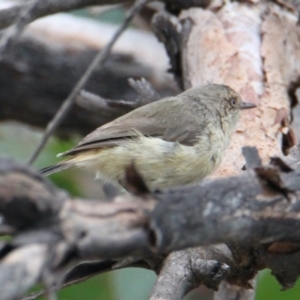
pixel 55 168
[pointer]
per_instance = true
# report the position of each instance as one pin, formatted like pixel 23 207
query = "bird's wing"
pixel 148 120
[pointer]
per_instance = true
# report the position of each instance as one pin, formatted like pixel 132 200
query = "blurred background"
pixel 127 284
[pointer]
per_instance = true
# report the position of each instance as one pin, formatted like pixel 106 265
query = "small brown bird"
pixel 174 141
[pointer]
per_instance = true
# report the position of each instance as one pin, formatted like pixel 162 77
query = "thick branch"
pixel 233 292
pixel 44 75
pixel 193 267
pixel 213 203
pixel 49 7
pixel 20 269
pixel 255 214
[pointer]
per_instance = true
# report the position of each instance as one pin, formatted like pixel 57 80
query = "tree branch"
pixel 11 35
pixel 254 213
pixel 183 271
pixel 44 8
pixel 36 68
pixel 233 292
pixel 18 269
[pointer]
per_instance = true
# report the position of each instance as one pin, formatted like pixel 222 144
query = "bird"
pixel 174 141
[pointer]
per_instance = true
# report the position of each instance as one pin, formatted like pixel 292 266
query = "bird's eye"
pixel 233 101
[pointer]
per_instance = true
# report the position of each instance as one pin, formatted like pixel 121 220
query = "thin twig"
pixel 12 34
pixel 100 58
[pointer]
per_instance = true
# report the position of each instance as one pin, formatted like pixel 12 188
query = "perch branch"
pixel 255 212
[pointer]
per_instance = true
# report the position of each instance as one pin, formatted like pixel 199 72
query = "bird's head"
pixel 225 97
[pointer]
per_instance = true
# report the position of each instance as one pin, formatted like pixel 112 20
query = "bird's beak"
pixel 247 105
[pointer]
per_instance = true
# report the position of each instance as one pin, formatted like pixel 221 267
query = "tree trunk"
pixel 252 48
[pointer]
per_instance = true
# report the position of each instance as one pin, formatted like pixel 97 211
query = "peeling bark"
pixel 253 49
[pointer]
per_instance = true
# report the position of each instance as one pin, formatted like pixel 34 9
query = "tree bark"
pixel 250 213
pixel 252 48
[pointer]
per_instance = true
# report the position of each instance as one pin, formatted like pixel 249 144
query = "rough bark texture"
pixel 255 214
pixel 227 291
pixel 254 50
